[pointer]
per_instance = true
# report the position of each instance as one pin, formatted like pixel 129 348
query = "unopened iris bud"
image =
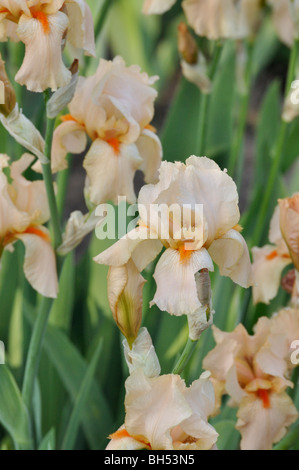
pixel 194 64
pixel 8 98
pixel 142 355
pixel 187 45
pixel 125 285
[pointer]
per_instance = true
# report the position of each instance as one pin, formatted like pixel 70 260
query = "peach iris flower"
pixel 44 26
pixel 283 341
pixel 163 414
pixel 270 260
pixel 218 19
pixel 157 7
pixel 114 109
pixel 201 228
pixel 24 208
pixel 255 383
pixel 233 19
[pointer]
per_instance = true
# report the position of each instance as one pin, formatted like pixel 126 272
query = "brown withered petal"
pixel 187 45
pixel 288 281
pixel 9 97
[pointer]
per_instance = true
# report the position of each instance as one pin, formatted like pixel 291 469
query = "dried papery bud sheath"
pixel 186 44
pixel 24 132
pixel 63 96
pixel 125 285
pixel 202 318
pixel 8 100
pixel 289 225
pixel 193 63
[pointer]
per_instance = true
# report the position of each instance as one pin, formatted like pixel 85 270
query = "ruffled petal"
pixel 267 268
pixel 80 31
pixel 11 219
pixel 154 407
pixel 30 196
pixel 114 171
pixel 136 245
pixel 69 137
pixel 231 254
pixel 121 440
pixel 221 359
pixel 150 150
pixel 40 263
pixel 176 287
pixel 43 67
pixel 201 398
pixel 262 427
pixel 216 19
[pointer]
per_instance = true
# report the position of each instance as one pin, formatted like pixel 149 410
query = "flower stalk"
pixel 40 325
pixel 47 175
pixel 185 357
pixel 289 440
pixel 205 100
pixel 236 158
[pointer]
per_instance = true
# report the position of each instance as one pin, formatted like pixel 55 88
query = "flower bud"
pixel 125 285
pixel 289 225
pixel 63 96
pixel 142 355
pixel 78 226
pixel 8 100
pixel 194 66
pixel 203 317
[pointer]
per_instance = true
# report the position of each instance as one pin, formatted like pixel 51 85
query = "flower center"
pixel 122 433
pixel 114 143
pixel 11 236
pixel 274 254
pixel 264 396
pixel 185 254
pixel 42 18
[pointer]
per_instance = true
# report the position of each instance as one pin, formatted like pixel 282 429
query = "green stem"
pixel 185 357
pixel 35 346
pixel 277 154
pixel 289 440
pixel 242 118
pixel 36 341
pixel 100 23
pixel 202 134
pixel 48 179
pixel 102 17
pixel 205 101
pixel 62 184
